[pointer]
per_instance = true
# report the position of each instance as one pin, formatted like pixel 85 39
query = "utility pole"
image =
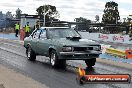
pixel 46 13
pixel 44 16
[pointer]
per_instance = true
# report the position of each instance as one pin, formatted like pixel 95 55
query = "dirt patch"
pixel 13 79
pixel 2 86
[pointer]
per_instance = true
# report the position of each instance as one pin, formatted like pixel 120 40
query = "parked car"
pixel 61 44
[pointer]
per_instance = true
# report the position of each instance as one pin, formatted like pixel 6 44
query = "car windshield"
pixel 62 33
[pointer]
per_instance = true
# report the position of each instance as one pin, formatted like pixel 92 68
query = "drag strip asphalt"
pixel 13 56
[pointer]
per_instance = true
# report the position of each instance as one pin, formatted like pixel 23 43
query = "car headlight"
pixel 66 49
pixel 97 48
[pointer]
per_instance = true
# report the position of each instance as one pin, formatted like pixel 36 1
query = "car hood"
pixel 79 42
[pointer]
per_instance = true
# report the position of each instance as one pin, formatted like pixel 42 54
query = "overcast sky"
pixel 68 9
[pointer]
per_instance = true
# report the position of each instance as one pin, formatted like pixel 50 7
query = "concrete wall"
pixel 117 38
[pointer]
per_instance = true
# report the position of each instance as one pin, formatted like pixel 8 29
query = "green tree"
pixel 128 23
pixel 111 14
pixel 18 13
pixel 83 23
pixel 51 11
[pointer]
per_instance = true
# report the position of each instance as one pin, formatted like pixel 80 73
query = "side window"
pixel 43 34
pixel 53 33
pixel 36 34
pixel 50 34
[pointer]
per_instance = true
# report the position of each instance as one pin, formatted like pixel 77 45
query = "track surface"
pixel 12 54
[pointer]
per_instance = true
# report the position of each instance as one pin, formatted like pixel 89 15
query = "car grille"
pixel 79 49
pixel 89 48
pixel 82 48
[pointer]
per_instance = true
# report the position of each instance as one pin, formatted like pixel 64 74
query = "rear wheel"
pixel 30 54
pixel 90 62
pixel 55 62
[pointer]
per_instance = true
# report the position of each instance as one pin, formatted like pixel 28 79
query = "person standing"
pixel 37 25
pixel 27 29
pixel 22 33
pixel 17 28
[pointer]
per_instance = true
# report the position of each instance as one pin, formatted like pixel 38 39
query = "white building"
pixel 28 18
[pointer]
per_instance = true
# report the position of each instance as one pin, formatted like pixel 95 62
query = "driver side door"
pixel 43 43
pixel 34 41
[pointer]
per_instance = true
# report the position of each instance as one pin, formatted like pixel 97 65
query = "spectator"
pixel 27 29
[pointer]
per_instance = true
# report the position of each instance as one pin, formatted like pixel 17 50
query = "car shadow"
pixel 68 68
pixel 89 70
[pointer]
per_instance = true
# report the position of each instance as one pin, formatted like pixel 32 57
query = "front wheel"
pixel 55 62
pixel 90 62
pixel 30 54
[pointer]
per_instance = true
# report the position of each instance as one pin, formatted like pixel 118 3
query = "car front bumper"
pixel 79 55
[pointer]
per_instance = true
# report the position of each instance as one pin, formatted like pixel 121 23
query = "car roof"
pixel 54 27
